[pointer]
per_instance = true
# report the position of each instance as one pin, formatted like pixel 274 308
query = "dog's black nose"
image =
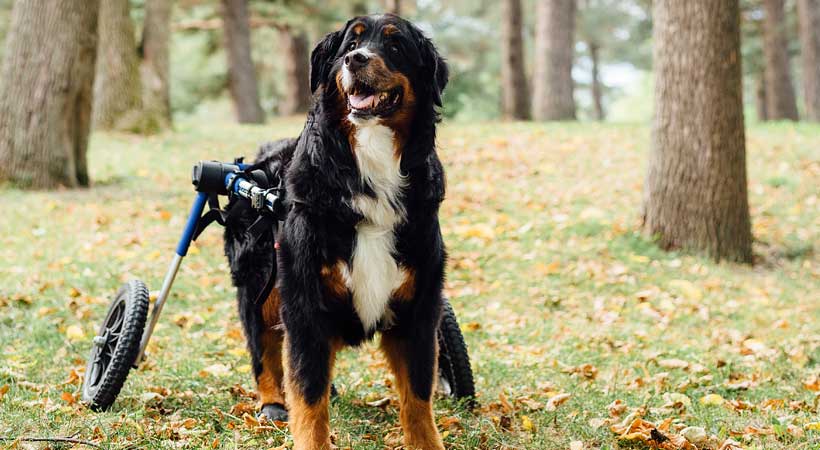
pixel 356 59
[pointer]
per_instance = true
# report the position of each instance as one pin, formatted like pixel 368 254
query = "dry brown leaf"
pixel 68 397
pixel 556 400
pixel 673 363
pixel 616 408
pixel 3 390
pixel 241 409
pixel 505 404
pixel 812 383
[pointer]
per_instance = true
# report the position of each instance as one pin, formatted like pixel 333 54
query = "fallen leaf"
pixel 687 289
pixel 3 390
pixel 712 400
pixel 74 333
pixel 673 364
pixel 68 398
pixel 555 401
pixel 382 402
pixel 526 424
pixel 215 370
pixel 695 435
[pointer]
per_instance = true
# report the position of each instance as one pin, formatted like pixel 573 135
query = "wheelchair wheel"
pixel 455 372
pixel 116 346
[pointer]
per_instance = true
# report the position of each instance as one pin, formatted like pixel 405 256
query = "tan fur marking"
pixel 416 414
pixel 358 29
pixel 269 382
pixel 334 282
pixel 407 290
pixel 401 121
pixel 390 29
pixel 309 424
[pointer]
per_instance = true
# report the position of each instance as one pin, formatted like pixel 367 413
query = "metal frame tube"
pixel 170 275
pixel 163 295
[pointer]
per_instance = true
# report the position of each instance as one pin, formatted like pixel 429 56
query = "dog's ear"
pixel 321 57
pixel 435 67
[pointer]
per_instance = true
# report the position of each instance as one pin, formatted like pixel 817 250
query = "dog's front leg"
pixel 309 349
pixel 413 364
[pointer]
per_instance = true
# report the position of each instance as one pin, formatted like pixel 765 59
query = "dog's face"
pixel 381 66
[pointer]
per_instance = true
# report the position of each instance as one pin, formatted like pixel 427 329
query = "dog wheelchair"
pixel 123 336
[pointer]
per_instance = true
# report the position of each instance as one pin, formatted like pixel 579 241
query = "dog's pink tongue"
pixel 361 101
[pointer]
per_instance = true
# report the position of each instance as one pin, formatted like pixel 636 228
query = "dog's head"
pixel 379 66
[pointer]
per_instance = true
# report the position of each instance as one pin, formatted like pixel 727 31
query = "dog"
pixel 360 251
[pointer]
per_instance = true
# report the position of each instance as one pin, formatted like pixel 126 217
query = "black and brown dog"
pixel 361 250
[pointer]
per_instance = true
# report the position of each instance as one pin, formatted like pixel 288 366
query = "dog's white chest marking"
pixel 374 273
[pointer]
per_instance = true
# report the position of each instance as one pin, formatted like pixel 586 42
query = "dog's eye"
pixel 352 46
pixel 394 48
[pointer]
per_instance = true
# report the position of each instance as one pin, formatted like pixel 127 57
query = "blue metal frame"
pixel 190 226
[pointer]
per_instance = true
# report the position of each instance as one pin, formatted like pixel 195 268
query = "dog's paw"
pixel 274 412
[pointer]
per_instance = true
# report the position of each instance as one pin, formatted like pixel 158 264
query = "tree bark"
pixel 760 98
pixel 156 67
pixel 514 88
pixel 46 94
pixel 781 103
pixel 117 86
pixel 295 47
pixel 554 51
pixel 695 196
pixel 597 89
pixel 241 71
pixel 809 12
pixel 393 7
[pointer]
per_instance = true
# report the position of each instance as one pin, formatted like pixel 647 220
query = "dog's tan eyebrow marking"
pixel 358 28
pixel 390 29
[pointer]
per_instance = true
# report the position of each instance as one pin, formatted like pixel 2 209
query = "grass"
pixel 555 289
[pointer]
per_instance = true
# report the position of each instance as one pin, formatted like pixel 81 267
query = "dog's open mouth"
pixel 366 101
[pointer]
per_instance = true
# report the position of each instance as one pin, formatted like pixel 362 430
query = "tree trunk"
pixel 554 51
pixel 514 88
pixel 393 6
pixel 296 51
pixel 597 90
pixel 695 196
pixel 241 71
pixel 781 103
pixel 155 68
pixel 760 98
pixel 809 12
pixel 46 94
pixel 117 86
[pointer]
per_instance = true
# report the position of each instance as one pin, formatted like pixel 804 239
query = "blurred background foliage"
pixel 466 31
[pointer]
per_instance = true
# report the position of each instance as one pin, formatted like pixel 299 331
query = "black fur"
pixel 322 178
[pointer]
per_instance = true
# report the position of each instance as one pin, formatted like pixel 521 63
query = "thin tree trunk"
pixel 554 51
pixel 597 90
pixel 156 66
pixel 695 196
pixel 514 88
pixel 393 6
pixel 779 88
pixel 760 98
pixel 241 73
pixel 809 12
pixel 46 94
pixel 296 51
pixel 117 86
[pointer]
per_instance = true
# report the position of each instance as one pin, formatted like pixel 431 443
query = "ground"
pixel 576 322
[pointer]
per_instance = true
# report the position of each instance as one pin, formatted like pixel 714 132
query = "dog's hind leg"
pixel 413 363
pixel 308 392
pixel 270 377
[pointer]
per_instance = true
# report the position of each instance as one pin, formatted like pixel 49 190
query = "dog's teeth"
pixel 382 96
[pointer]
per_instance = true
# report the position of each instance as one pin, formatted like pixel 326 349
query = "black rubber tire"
pixel 104 377
pixel 453 358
